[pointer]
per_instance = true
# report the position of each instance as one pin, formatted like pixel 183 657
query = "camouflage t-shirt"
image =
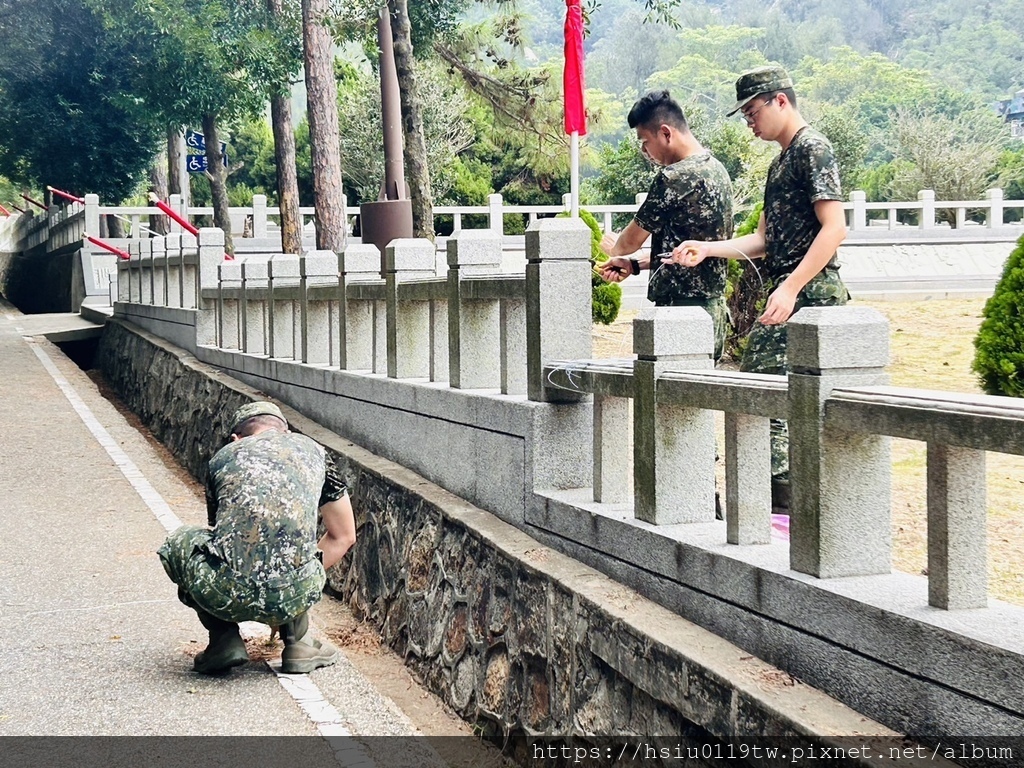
pixel 688 200
pixel 804 173
pixel 263 493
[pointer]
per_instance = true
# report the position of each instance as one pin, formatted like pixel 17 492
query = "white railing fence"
pixel 259 221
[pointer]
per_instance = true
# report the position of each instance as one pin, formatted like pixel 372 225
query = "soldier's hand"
pixel 779 307
pixel 689 253
pixel 607 244
pixel 615 269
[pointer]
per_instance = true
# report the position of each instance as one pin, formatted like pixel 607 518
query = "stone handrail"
pixel 457 378
pixel 840 420
pixel 353 312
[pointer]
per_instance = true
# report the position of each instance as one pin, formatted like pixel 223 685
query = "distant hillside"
pixel 976 47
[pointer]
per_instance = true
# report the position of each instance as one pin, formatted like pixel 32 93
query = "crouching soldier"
pixel 260 559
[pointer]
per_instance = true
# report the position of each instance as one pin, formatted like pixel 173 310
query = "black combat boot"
pixel 302 653
pixel 226 648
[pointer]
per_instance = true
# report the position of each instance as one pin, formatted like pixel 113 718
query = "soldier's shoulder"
pixel 813 142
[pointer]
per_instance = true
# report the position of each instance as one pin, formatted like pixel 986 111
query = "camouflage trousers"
pixel 208 583
pixel 719 311
pixel 765 351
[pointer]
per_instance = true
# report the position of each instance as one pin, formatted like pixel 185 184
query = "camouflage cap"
pixel 261 408
pixel 758 81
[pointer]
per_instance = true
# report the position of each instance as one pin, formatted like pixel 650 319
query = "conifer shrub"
pixel 999 345
pixel 744 291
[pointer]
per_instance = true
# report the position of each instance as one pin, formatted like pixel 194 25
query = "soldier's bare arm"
pixel 340 535
pixel 833 231
pixel 629 241
pixel 690 253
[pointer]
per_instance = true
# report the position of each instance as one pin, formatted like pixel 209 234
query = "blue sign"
pixel 195 140
pixel 196 143
pixel 195 161
pixel 198 163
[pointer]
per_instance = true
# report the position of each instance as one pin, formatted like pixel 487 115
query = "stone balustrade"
pixel 841 417
pixel 468 329
pixel 481 382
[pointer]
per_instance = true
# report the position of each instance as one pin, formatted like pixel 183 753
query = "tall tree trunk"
pixel 177 176
pixel 284 155
pixel 218 176
pixel 158 186
pixel 324 136
pixel 115 227
pixel 417 172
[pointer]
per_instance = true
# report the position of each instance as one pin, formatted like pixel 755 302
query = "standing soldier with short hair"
pixel 689 199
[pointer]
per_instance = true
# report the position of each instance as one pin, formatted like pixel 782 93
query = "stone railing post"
pixel 927 199
pixel 840 519
pixel 357 263
pixel 228 324
pixel 175 204
pixel 114 287
pixel 513 346
pixel 474 326
pixel 994 215
pixel 189 270
pixel 439 341
pixel 124 289
pixel 748 473
pixel 496 213
pixel 957 518
pixel 558 305
pixel 673 445
pixel 92 215
pixel 172 277
pixel 408 322
pixel 316 268
pixel 146 271
pixel 134 289
pixel 259 216
pixel 282 273
pixel 210 255
pixel 611 441
pixel 253 314
pixel 859 212
pixel 158 272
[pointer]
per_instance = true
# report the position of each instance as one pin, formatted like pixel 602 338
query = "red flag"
pixel 572 75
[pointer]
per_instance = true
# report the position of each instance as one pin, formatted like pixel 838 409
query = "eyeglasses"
pixel 750 116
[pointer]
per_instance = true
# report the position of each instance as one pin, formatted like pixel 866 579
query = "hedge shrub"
pixel 999 345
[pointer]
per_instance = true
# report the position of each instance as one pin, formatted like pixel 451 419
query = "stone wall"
pixel 36 281
pixel 526 642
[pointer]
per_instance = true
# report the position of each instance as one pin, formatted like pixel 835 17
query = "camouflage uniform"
pixel 802 174
pixel 689 200
pixel 259 562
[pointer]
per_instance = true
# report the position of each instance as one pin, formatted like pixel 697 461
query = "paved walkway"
pixel 92 638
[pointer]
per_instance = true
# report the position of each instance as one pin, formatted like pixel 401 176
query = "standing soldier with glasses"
pixel 797 237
